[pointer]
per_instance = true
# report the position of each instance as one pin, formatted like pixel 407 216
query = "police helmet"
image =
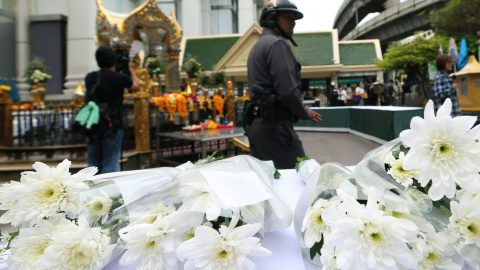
pixel 272 7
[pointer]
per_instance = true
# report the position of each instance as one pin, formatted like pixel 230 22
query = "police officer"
pixel 272 66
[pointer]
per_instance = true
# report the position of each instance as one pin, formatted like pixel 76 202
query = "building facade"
pixel 63 33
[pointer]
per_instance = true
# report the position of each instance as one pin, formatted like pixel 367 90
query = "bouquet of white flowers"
pixel 60 213
pixel 411 203
pixel 212 216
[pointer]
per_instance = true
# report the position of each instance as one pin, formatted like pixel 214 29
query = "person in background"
pixel 369 90
pixel 334 94
pixel 103 151
pixel 342 97
pixel 387 93
pixel 443 86
pixel 359 91
pixel 274 71
pixel 200 89
pixel 397 94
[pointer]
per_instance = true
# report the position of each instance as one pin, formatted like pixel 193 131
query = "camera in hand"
pixel 121 61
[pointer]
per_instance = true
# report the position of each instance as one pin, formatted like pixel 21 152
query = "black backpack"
pixel 104 120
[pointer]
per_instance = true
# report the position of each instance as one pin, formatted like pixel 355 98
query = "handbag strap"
pixel 91 95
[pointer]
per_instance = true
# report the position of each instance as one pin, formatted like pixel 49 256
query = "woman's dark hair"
pixel 442 61
pixel 105 57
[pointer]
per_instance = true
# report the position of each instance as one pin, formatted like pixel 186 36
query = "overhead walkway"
pixel 398 21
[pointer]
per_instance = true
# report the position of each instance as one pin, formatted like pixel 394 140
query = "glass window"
pixel 224 16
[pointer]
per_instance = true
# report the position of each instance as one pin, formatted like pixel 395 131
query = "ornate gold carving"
pixel 230 101
pixel 119 32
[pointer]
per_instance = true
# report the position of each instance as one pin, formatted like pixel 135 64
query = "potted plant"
pixel 193 68
pixel 36 72
pixel 219 77
pixel 154 66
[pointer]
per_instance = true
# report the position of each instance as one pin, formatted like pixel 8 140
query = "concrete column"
pixel 246 15
pixel 80 43
pixel 206 18
pixel 191 18
pixel 22 46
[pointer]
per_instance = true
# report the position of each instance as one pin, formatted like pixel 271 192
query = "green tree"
pixel 457 17
pixel 413 57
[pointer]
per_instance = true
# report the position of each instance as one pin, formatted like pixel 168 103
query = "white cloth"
pixel 359 91
pixel 343 95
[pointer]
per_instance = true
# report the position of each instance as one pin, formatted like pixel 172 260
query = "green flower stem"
pixel 12 236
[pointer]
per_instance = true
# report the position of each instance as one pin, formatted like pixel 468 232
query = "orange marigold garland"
pixel 182 106
pixel 161 102
pixel 218 102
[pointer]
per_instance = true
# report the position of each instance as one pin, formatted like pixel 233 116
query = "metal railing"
pixel 49 126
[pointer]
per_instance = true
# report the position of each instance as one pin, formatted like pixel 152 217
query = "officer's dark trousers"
pixel 279 144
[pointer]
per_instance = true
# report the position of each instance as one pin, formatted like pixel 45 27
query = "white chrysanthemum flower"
pixel 76 247
pixel 313 224
pixel 98 208
pixel 158 210
pixel 328 258
pixel 49 190
pixel 252 213
pixel 434 254
pixel 199 196
pixel 227 250
pixel 444 150
pixel 465 219
pixel 404 177
pixel 365 238
pixel 153 244
pixel 29 245
pixel 7 201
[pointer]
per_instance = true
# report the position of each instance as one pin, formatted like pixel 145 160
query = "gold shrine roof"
pixel 148 15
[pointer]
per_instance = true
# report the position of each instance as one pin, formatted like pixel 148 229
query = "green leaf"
pixel 300 159
pixel 208 159
pixel 277 174
pixel 316 249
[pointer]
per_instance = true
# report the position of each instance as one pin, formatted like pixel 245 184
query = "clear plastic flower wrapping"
pixel 323 180
pixel 241 182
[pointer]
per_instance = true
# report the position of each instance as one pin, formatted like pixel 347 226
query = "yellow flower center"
pixel 150 245
pixel 50 194
pixel 373 236
pixel 97 206
pixel 443 149
pixel 80 256
pixel 222 254
pixel 473 228
pixel 190 233
pixel 431 256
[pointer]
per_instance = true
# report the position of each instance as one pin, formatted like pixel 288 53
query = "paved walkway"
pixel 344 148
